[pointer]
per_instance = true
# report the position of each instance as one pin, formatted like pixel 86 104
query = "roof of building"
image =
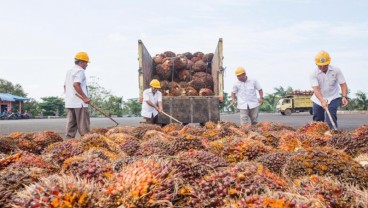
pixel 11 98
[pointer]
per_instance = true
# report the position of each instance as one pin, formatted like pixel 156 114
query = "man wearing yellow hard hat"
pixel 76 83
pixel 245 92
pixel 326 81
pixel 152 102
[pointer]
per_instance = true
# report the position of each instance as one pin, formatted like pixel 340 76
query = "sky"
pixel 274 40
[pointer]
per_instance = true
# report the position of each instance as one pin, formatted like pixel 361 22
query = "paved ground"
pixel 346 121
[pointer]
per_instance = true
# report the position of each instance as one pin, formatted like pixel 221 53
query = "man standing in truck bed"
pixel 152 102
pixel 245 90
pixel 325 81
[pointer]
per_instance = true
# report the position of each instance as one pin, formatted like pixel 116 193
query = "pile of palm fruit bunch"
pixel 215 165
pixel 187 74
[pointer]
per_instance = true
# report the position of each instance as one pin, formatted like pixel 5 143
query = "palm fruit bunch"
pixel 326 161
pixel 351 145
pixel 140 130
pixel 190 91
pixel 24 159
pixel 330 192
pixel 185 142
pixel 314 129
pixel 289 142
pixel 97 140
pixel 24 141
pixel 192 130
pixel 58 191
pixel 15 179
pixel 269 139
pixel 228 128
pixel 154 134
pixel 172 127
pixel 265 127
pixel 101 131
pixel 128 144
pixel 274 161
pixel 175 89
pixel 244 179
pixel 120 129
pixel 58 152
pixel 193 164
pixel 154 147
pixel 360 132
pixel 104 154
pixel 244 149
pixel 45 138
pixel 7 146
pixel 88 166
pixel 144 183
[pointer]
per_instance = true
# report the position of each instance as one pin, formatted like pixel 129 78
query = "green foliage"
pixel 226 104
pixel 32 106
pixel 8 87
pixel 52 106
pixel 113 105
pixel 132 106
pixel 361 101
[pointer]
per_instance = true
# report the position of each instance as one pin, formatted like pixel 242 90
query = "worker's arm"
pixel 154 106
pixel 233 98
pixel 344 91
pixel 317 92
pixel 79 90
pixel 160 106
pixel 260 96
pixel 64 88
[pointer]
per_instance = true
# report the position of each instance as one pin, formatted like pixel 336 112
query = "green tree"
pixel 132 106
pixel 361 100
pixel 32 106
pixel 113 105
pixel 226 104
pixel 8 87
pixel 281 92
pixel 269 103
pixel 52 106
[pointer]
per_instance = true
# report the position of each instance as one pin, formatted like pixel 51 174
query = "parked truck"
pixel 295 102
pixel 186 109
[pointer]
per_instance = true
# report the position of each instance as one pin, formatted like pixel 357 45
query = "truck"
pixel 186 109
pixel 295 102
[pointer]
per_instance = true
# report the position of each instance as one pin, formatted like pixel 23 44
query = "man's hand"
pixel 344 101
pixel 324 104
pixel 260 100
pixel 86 100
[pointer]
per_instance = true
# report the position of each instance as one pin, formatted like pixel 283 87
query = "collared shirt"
pixel 328 82
pixel 147 110
pixel 76 74
pixel 246 93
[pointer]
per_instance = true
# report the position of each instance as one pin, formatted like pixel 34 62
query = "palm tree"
pixel 281 92
pixel 361 100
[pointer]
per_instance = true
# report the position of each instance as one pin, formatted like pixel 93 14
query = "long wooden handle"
pixel 331 120
pixel 97 109
pixel 172 117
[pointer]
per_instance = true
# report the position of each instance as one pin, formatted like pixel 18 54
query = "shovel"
pixel 330 117
pixel 99 110
pixel 172 117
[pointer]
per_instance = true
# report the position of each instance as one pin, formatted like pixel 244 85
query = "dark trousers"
pixel 319 114
pixel 152 120
pixel 78 119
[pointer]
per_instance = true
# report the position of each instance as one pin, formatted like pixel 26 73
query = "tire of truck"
pixel 311 111
pixel 288 112
pixel 282 113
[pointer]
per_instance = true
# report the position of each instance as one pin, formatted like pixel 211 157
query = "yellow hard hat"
pixel 240 70
pixel 155 83
pixel 322 58
pixel 83 56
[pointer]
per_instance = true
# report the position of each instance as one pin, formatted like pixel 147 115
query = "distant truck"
pixel 186 109
pixel 295 102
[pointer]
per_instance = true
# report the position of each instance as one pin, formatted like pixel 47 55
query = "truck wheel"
pixel 282 113
pixel 288 112
pixel 311 111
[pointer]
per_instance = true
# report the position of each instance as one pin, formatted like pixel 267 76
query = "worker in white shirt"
pixel 152 102
pixel 326 81
pixel 75 82
pixel 245 93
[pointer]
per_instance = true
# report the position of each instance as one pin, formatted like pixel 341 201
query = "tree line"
pixel 115 105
